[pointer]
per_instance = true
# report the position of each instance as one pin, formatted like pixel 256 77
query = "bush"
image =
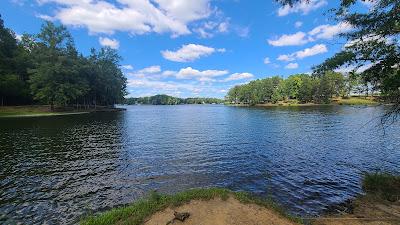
pixel 382 185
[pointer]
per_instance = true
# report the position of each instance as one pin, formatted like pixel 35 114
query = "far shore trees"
pixel 301 87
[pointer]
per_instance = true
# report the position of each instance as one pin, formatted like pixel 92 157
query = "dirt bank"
pixel 220 212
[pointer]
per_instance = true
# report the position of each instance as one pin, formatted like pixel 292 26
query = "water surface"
pixel 55 169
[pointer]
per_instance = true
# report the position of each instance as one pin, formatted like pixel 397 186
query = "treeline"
pixel 301 87
pixel 46 68
pixel 169 100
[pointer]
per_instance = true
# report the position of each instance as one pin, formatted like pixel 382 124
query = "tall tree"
pixel 55 79
pixel 13 88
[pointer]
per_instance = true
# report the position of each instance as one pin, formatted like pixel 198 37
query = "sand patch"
pixel 220 212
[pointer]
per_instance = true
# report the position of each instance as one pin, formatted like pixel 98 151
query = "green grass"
pixel 32 111
pixel 137 212
pixel 382 185
pixel 356 101
pixel 7 111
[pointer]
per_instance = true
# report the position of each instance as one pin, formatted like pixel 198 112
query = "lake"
pixel 56 169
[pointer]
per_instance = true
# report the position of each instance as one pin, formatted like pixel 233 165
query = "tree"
pixel 55 79
pixel 373 43
pixel 13 68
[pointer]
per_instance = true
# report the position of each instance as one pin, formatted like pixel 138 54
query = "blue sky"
pixel 189 48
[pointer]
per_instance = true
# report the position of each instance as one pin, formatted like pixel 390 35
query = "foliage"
pixel 137 212
pixel 382 185
pixel 301 87
pixel 47 68
pixel 373 44
pixel 169 100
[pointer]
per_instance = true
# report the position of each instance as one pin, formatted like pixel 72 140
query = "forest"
pixel 304 88
pixel 170 100
pixel 46 68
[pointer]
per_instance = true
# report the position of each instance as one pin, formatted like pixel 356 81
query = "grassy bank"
pixel 44 110
pixel 137 212
pixel 382 186
pixel 378 205
pixel 335 101
pixel 355 101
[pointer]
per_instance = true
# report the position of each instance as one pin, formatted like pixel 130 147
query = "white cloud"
pixel 325 31
pixel 298 24
pixel 350 68
pixel 368 38
pixel 267 61
pixel 315 50
pixel 329 31
pixel 107 42
pixel 134 16
pixel 127 67
pixel 239 76
pixel 161 85
pixel 285 58
pixel 223 27
pixel 210 28
pixel 292 66
pixel 18 37
pixel 242 31
pixel 369 3
pixel 190 52
pixel 298 38
pixel 302 6
pixel 150 69
pixel 189 72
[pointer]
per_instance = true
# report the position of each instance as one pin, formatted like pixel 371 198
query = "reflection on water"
pixel 55 169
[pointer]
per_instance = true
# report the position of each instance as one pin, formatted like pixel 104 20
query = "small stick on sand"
pixel 179 216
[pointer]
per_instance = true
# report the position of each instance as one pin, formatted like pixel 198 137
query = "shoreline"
pixel 352 101
pixel 379 205
pixel 26 111
pixel 222 206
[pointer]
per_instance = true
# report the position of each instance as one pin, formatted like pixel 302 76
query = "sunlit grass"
pixel 356 101
pixel 137 212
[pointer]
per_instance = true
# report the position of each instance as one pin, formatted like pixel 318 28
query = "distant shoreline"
pixel 340 101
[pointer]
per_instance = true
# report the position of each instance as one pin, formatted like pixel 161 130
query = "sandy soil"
pixel 219 212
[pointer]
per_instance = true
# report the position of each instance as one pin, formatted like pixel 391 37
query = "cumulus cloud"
pixel 127 67
pixel 190 52
pixel 136 17
pixel 266 60
pixel 303 7
pixel 315 50
pixel 298 38
pixel 107 42
pixel 329 31
pixel 325 31
pixel 209 28
pixel 298 24
pixel 189 72
pixel 239 76
pixel 150 69
pixel 368 38
pixel 160 85
pixel 350 68
pixel 292 66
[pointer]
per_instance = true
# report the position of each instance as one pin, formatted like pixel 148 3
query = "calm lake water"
pixel 55 169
